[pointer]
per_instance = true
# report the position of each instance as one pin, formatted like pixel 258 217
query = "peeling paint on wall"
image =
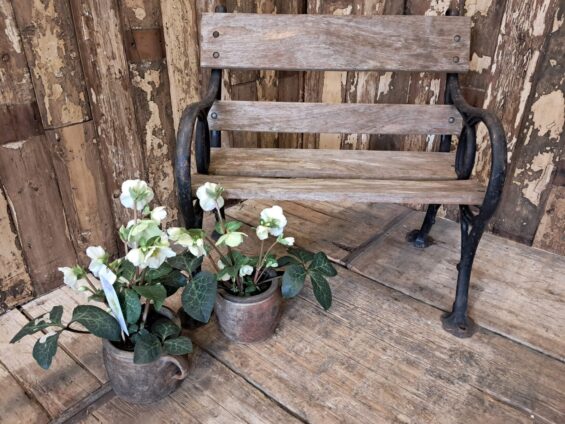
pixel 384 84
pixel 480 63
pixel 534 187
pixel 473 7
pixel 549 114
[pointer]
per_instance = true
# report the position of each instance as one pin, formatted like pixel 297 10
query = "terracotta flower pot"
pixel 250 319
pixel 143 383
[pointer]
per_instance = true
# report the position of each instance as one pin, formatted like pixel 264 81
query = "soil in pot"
pixel 250 319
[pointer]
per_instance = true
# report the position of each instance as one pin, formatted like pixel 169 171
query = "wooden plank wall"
pixel 91 93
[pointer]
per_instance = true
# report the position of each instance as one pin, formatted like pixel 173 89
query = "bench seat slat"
pixel 332 164
pixel 340 43
pixel 287 117
pixel 468 192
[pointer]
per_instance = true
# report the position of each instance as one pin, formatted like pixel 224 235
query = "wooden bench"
pixel 345 43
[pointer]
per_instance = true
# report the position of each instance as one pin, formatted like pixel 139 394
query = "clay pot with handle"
pixel 143 383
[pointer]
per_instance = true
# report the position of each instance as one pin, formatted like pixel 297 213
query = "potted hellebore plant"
pixel 247 291
pixel 143 350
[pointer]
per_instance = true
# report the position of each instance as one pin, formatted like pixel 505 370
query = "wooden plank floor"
pixel 379 355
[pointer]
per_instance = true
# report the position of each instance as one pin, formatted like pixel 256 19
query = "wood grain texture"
pixel 87 206
pixel 27 174
pixel 52 54
pixel 15 283
pixel 301 42
pixel 515 290
pixel 334 118
pixel 56 389
pixel 98 28
pixel 550 234
pixel 385 191
pixel 332 164
pixel 17 407
pixel 538 151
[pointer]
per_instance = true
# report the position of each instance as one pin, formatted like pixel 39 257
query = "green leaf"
pixel 132 306
pixel 155 292
pixel 199 296
pixel 155 274
pixel 44 350
pixel 147 348
pixel 165 328
pixel 322 290
pixel 304 255
pixel 322 265
pixel 218 228
pixel 126 270
pixel 186 262
pixel 232 226
pixel 37 324
pixel 56 314
pixel 179 346
pixel 293 280
pixel 97 321
pixel 174 279
pixel 287 260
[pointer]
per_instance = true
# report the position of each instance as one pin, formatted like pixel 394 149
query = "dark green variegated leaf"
pixel 293 280
pixel 35 325
pixel 126 270
pixel 165 328
pixel 132 306
pixel 97 321
pixel 199 296
pixel 322 290
pixel 155 274
pixel 147 348
pixel 44 349
pixel 174 279
pixel 155 292
pixel 178 346
pixel 322 265
pixel 287 260
pixel 186 262
pixel 56 314
pixel 303 255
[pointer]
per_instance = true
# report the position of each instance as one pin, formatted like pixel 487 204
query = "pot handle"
pixel 180 362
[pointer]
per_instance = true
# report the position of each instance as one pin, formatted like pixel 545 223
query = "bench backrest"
pixel 335 43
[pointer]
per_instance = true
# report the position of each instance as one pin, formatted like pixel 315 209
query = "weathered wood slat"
pixel 334 118
pixel 516 291
pixel 385 191
pixel 302 42
pixel 333 164
pixel 29 181
pixel 15 283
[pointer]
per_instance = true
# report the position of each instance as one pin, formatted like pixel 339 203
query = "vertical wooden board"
pixel 87 206
pixel 51 50
pixel 550 234
pixel 15 79
pixel 152 100
pixel 539 147
pixel 519 51
pixel 29 182
pixel 141 14
pixel 17 406
pixel 56 389
pixel 15 284
pixel 180 26
pixel 101 46
pixel 486 18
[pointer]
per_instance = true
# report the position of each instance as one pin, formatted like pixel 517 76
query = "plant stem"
pixel 214 265
pixel 145 313
pixel 257 274
pixel 222 256
pixel 90 283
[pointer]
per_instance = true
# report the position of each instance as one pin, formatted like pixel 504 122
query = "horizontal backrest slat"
pixel 287 117
pixel 325 42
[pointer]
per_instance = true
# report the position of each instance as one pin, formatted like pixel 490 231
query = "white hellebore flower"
pixel 158 214
pixel 274 219
pixel 107 280
pixel 226 276
pixel 98 258
pixel 191 240
pixel 73 277
pixel 233 239
pixel 245 270
pixel 151 256
pixel 262 232
pixel 136 194
pixel 210 196
pixel 286 241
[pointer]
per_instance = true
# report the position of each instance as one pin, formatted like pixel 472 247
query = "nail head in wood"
pixel 216 55
pixel 214 115
pixel 451 120
pixel 457 38
pixel 456 59
pixel 215 34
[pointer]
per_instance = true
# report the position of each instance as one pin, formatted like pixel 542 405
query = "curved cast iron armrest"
pixel 195 113
pixel 472 116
